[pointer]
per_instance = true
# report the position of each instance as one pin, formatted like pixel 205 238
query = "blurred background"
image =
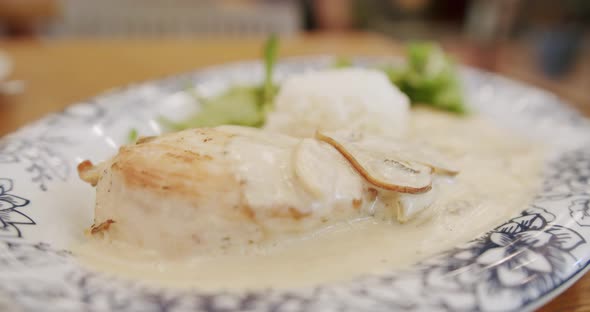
pixel 544 42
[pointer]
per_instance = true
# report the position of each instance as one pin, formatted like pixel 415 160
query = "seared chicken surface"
pixel 208 190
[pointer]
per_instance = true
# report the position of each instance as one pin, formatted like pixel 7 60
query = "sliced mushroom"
pixel 310 159
pixel 416 153
pixel 384 169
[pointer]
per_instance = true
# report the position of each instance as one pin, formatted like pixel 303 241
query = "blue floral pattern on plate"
pixel 10 216
pixel 43 163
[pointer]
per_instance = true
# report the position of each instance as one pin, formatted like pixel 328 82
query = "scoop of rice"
pixel 335 99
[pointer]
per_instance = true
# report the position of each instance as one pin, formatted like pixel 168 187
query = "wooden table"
pixel 58 73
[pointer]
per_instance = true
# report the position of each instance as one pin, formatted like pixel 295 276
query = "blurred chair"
pixel 24 17
pixel 154 18
pixel 148 18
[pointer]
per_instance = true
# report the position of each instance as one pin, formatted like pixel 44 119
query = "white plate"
pixel 519 265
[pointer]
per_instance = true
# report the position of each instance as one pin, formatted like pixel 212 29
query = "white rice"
pixel 353 98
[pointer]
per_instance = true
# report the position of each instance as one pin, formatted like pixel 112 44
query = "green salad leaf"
pixel 239 105
pixel 429 78
pixel 342 62
pixel 132 136
pixel 270 58
pixel 236 106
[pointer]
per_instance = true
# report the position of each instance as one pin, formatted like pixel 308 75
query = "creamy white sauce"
pixel 499 175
